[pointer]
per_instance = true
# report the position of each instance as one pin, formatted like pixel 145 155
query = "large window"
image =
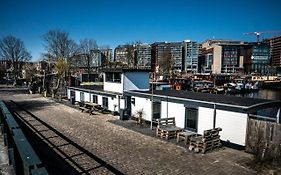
pixel 156 110
pixel 105 102
pixel 191 118
pixel 95 99
pixel 113 77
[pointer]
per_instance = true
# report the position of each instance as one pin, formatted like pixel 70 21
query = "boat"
pixel 241 86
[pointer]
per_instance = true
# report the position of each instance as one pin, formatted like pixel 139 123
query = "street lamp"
pixel 152 101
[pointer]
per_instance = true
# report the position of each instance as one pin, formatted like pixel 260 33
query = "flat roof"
pixel 125 70
pixel 95 89
pixel 206 97
pixel 88 87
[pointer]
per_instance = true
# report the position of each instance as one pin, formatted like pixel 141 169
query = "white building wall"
pixel 176 110
pixel 100 100
pixel 77 95
pixel 122 103
pixel 205 119
pixel 68 93
pixel 113 87
pixel 86 97
pixel 136 80
pixel 142 103
pixel 233 126
pixel 112 102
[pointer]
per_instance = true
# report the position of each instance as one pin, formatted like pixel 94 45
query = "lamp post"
pixel 152 101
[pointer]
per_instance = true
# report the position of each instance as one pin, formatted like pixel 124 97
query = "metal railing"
pixel 21 155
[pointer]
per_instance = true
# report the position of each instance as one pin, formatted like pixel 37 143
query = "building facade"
pixel 275 48
pixel 168 53
pixel 121 54
pixel 190 56
pixel 222 56
pixel 143 54
pixel 260 57
pixel 106 55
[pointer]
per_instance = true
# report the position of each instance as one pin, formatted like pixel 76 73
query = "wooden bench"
pixel 166 128
pixel 84 109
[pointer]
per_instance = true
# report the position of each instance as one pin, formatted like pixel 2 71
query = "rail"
pixel 21 155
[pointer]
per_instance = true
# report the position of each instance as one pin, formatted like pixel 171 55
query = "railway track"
pixel 60 154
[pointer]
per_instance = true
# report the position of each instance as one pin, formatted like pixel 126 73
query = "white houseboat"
pixel 128 89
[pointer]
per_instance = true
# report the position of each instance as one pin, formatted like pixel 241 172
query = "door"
pixel 191 119
pixel 128 105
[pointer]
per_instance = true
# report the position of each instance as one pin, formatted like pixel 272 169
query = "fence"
pixel 21 155
pixel 263 139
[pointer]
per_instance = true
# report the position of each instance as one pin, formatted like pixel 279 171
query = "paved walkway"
pixel 129 151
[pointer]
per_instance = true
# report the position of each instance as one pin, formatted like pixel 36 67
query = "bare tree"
pixel 61 68
pixel 166 63
pixel 13 49
pixel 131 55
pixel 85 48
pixel 58 45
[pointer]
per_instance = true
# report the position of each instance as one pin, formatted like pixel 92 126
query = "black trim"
pixel 94 92
pixel 186 102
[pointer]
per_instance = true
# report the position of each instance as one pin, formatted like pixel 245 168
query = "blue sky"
pixel 119 22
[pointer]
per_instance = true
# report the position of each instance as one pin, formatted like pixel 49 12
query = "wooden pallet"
pixel 209 141
pixel 166 128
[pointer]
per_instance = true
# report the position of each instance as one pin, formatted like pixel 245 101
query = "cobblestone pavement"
pixel 129 151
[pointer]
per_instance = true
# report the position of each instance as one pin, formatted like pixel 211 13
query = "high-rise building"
pixel 190 56
pixel 96 58
pixel 106 54
pixel 259 57
pixel 167 53
pixel 121 53
pixel 275 48
pixel 143 54
pixel 222 56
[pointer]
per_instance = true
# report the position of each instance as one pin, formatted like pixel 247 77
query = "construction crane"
pixel 260 33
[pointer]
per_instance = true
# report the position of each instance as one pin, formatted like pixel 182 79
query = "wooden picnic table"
pixel 185 135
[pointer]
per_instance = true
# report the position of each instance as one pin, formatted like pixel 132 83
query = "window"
pixel 113 77
pixel 191 118
pixel 95 99
pixel 105 102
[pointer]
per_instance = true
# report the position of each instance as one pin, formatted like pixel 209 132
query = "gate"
pixel 263 138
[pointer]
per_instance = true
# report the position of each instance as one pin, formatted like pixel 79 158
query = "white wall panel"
pixel 176 110
pixel 142 103
pixel 233 126
pixel 205 119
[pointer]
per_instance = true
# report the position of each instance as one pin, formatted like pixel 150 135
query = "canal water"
pixel 270 94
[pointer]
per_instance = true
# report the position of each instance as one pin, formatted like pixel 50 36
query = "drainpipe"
pixel 167 108
pixel 152 101
pixel 278 116
pixel 215 115
pixel 151 106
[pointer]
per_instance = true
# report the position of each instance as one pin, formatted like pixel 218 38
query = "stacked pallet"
pixel 166 128
pixel 209 141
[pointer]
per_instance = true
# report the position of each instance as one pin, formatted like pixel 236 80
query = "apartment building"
pixel 106 54
pixel 143 54
pixel 190 56
pixel 222 56
pixel 275 48
pixel 161 50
